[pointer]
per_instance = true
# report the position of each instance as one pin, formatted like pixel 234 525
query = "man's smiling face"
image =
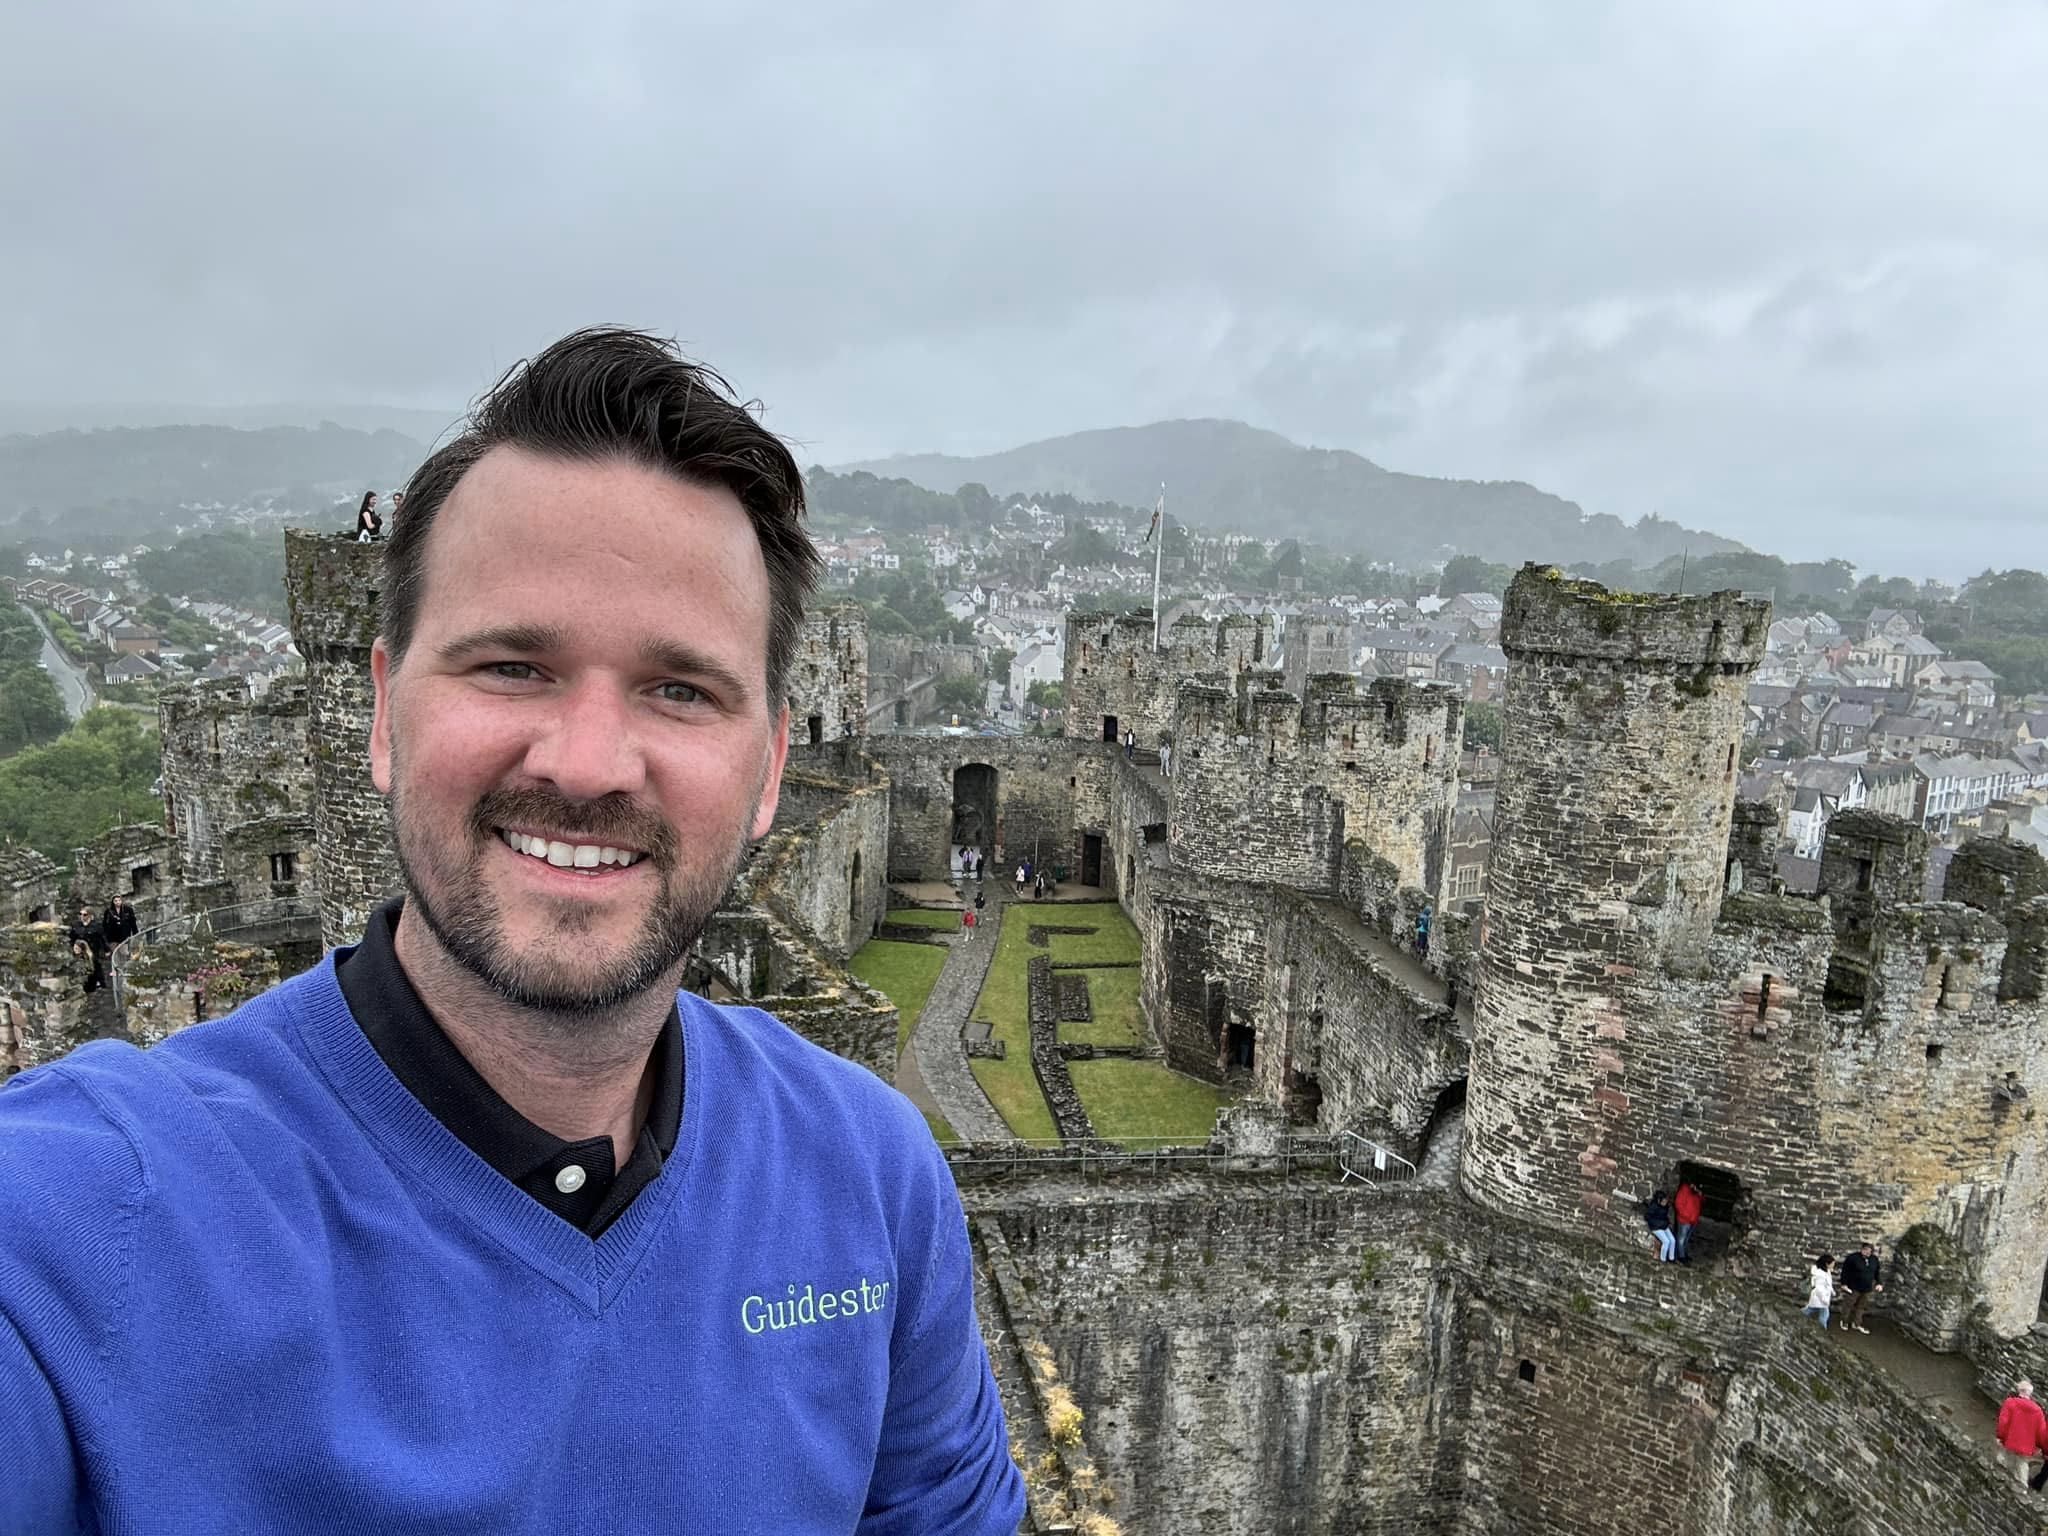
pixel 578 742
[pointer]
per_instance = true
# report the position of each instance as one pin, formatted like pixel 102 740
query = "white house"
pixel 1035 664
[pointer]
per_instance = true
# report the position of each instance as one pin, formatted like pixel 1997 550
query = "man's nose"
pixel 590 746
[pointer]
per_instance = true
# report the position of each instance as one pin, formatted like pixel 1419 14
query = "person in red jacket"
pixel 1685 1215
pixel 2022 1429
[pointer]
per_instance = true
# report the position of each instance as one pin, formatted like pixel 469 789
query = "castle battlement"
pixel 1547 613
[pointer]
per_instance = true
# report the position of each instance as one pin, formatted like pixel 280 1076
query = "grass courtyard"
pixel 904 973
pixel 1123 1098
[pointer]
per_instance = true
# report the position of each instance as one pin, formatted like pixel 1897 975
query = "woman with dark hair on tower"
pixel 368 524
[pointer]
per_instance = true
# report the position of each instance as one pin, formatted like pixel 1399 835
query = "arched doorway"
pixel 974 812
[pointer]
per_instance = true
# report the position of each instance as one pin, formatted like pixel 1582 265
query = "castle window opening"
pixel 853 886
pixel 1109 730
pixel 1527 1370
pixel 1763 996
pixel 1731 760
pixel 1865 871
pixel 40 914
pixel 1243 1044
pixel 1130 872
pixel 1428 750
pixel 142 880
pixel 817 729
pixel 1933 1052
pixel 1724 1205
pixel 282 867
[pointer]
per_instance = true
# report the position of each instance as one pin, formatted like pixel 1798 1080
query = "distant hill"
pixel 36 416
pixel 1224 473
pixel 133 476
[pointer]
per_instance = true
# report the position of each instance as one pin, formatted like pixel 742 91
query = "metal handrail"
pixel 265 910
pixel 1371 1163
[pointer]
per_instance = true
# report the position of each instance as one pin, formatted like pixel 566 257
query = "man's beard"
pixel 447 889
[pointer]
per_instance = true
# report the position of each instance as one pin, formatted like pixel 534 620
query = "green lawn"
pixel 902 972
pixel 1114 997
pixel 942 1133
pixel 1010 1083
pixel 1114 938
pixel 924 917
pixel 1144 1098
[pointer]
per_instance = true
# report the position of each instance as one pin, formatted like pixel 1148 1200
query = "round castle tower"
pixel 1622 725
pixel 332 584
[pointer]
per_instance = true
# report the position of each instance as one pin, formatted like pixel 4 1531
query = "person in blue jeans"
pixel 1820 1289
pixel 1657 1213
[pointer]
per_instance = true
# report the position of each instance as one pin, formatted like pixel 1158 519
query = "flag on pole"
pixel 1156 511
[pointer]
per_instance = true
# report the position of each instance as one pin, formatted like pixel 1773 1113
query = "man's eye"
pixel 681 693
pixel 512 671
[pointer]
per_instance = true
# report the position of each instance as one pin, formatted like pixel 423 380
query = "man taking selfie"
pixel 481 1225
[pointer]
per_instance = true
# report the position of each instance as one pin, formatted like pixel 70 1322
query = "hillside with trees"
pixel 1224 474
pixel 134 479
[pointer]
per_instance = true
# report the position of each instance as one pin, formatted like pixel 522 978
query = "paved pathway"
pixel 935 1043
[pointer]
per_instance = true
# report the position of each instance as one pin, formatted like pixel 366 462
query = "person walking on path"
pixel 2022 1429
pixel 1130 743
pixel 1860 1277
pixel 118 923
pixel 967 924
pixel 1685 1211
pixel 1820 1289
pixel 1657 1213
pixel 1023 874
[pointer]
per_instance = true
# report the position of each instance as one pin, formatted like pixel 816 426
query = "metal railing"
pixel 215 923
pixel 1371 1163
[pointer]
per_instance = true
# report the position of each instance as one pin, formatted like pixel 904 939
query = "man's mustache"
pixel 615 820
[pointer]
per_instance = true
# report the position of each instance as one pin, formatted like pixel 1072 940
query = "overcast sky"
pixel 1778 270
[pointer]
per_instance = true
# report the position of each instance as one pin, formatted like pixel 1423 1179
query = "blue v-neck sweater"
pixel 249 1284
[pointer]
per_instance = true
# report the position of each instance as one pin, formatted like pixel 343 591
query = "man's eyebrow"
pixel 525 639
pixel 672 656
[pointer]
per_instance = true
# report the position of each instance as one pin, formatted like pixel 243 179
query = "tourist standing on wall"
pixel 1820 1288
pixel 1657 1215
pixel 2022 1429
pixel 1685 1211
pixel 368 524
pixel 1861 1275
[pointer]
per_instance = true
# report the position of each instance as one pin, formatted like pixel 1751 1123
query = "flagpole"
pixel 1158 556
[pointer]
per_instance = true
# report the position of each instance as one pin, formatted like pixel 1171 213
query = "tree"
pixel 96 775
pixel 961 695
pixel 1483 726
pixel 1469 573
pixel 1044 695
pixel 999 661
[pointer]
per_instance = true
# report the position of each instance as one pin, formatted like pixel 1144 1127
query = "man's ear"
pixel 380 724
pixel 771 790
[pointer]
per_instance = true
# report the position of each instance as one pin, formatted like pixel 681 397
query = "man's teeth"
pixel 570 855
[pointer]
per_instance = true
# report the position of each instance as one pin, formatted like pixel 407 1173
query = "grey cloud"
pixel 1773 269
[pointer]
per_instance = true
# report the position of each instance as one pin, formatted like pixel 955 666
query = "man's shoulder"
pixel 769 1061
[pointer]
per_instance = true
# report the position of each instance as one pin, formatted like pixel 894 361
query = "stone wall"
pixel 230 759
pixel 28 885
pixel 140 862
pixel 170 986
pixel 826 870
pixel 1038 791
pixel 1300 1359
pixel 1341 1030
pixel 828 677
pixel 332 583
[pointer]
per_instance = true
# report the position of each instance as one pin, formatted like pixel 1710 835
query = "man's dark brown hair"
pixel 608 393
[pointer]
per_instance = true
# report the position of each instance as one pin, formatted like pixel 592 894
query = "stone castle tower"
pixel 332 584
pixel 1622 726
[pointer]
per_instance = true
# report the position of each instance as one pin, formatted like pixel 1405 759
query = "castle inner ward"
pixel 1256 1342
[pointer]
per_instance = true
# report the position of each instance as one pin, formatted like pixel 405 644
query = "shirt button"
pixel 569 1180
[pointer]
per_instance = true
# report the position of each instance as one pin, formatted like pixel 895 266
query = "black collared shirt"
pixel 425 1060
